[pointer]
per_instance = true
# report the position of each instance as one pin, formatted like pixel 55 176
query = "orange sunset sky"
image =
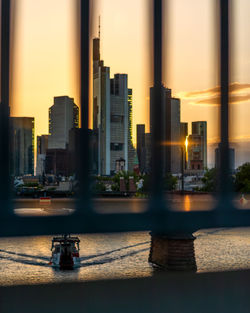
pixel 45 59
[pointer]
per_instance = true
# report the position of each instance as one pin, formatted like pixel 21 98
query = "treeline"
pixel 142 182
pixel 240 180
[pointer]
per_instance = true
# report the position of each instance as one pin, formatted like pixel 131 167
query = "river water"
pixel 104 256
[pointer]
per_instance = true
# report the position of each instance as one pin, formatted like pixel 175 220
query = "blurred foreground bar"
pixel 225 292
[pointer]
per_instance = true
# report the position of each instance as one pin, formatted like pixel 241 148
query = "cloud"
pixel 239 139
pixel 211 97
pixel 215 101
pixel 234 87
pixel 233 140
pixel 213 140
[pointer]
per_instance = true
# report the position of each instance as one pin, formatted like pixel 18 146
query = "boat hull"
pixel 65 263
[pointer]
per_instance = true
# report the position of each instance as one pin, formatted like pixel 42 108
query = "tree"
pixel 170 182
pixel 125 175
pixel 210 180
pixel 99 187
pixel 242 178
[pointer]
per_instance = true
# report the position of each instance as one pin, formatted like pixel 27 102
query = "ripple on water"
pixel 26 260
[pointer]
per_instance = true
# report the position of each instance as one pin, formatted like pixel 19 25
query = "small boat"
pixel 45 200
pixel 65 252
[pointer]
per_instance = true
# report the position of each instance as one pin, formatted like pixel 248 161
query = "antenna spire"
pixel 99 34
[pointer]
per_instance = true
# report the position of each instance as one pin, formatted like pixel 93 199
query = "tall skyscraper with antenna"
pixel 112 106
pixel 101 109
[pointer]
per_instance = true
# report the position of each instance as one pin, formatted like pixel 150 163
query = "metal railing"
pixel 158 218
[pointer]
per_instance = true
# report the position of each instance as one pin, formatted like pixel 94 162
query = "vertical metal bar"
pixel 224 182
pixel 84 89
pixel 4 109
pixel 157 202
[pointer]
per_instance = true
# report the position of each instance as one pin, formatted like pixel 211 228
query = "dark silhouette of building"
pixel 74 150
pixel 183 132
pixel 63 115
pixel 22 145
pixel 42 146
pixel 57 162
pixel 183 138
pixel 200 128
pixel 148 148
pixel 141 148
pixel 170 109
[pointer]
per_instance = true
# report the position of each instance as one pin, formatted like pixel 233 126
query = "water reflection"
pixel 187 204
pixel 104 256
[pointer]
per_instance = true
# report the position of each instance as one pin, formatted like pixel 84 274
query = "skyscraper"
pixel 141 147
pixel 171 130
pixel 42 146
pixel 175 144
pixel 195 153
pixel 183 137
pixel 112 116
pixel 57 162
pixel 131 149
pixel 183 132
pixel 101 109
pixel 22 145
pixel 200 128
pixel 63 115
pixel 119 125
pixel 148 148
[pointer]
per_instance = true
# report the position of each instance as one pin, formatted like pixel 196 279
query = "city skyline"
pixel 87 218
pixel 51 48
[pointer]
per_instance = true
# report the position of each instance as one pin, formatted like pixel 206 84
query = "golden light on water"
pixel 187 204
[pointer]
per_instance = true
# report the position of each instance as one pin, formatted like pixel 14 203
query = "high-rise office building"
pixel 42 146
pixel 148 158
pixel 183 138
pixel 131 149
pixel 112 116
pixel 141 148
pixel 200 128
pixel 119 124
pixel 170 109
pixel 183 132
pixel 22 132
pixel 175 144
pixel 101 109
pixel 63 115
pixel 195 153
pixel 57 162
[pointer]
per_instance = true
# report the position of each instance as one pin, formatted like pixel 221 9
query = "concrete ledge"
pixel 163 293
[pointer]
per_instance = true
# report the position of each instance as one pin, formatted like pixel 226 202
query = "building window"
pixel 116 146
pixel 117 118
